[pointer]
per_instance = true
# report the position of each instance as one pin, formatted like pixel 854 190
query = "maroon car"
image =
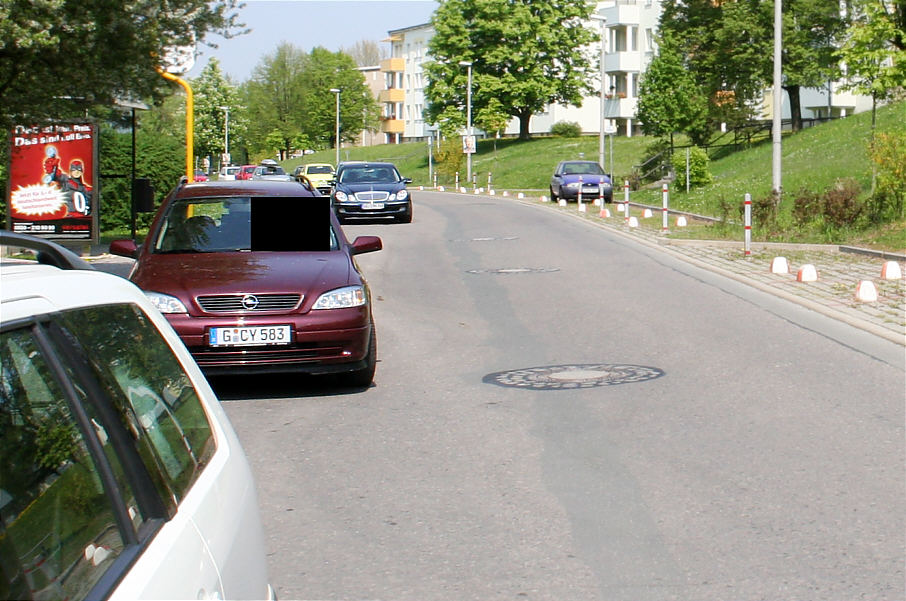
pixel 258 276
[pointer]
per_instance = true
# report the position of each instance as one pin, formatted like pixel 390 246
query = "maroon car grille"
pixel 248 303
pixel 208 357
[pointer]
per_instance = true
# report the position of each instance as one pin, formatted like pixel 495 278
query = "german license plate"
pixel 250 335
pixel 370 206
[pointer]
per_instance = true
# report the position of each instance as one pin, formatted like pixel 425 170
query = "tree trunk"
pixel 792 93
pixel 525 118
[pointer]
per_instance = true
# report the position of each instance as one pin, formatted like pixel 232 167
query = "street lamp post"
pixel 337 92
pixel 468 65
pixel 226 134
pixel 603 21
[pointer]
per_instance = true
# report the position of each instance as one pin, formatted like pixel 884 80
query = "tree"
pixel 525 53
pixel 670 101
pixel 874 52
pixel 811 29
pixel 59 58
pixel 212 91
pixel 365 53
pixel 274 96
pixel 359 110
pixel 289 95
pixel 728 46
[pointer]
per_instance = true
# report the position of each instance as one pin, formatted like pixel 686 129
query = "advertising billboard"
pixel 53 181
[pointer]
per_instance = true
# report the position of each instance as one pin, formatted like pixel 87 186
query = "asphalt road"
pixel 563 414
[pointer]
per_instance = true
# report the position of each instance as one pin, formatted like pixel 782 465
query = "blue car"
pixel 569 175
pixel 370 190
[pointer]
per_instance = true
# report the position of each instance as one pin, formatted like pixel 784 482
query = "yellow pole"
pixel 190 121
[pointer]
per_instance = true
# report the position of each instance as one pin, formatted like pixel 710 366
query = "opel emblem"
pixel 250 302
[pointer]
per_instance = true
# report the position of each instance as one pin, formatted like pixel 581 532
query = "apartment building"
pixel 403 97
pixel 629 29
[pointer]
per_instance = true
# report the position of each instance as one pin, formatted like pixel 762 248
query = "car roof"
pixel 367 164
pixel 31 288
pixel 252 187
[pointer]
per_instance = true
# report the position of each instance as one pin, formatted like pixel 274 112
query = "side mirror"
pixel 124 248
pixel 143 193
pixel 407 180
pixel 366 244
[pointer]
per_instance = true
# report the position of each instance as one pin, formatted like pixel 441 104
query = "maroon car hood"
pixel 189 275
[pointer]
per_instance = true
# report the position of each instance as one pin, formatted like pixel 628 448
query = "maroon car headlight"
pixel 342 298
pixel 166 303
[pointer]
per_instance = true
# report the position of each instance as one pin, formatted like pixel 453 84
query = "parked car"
pixel 565 182
pixel 122 477
pixel 319 174
pixel 369 190
pixel 246 172
pixel 271 171
pixel 228 173
pixel 254 281
pixel 200 176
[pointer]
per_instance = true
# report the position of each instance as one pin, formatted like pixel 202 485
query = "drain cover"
pixel 571 377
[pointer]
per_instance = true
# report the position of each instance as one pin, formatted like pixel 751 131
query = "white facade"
pixel 403 98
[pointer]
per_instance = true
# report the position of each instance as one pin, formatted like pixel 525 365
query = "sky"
pixel 307 24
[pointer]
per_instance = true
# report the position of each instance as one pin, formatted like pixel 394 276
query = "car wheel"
pixel 553 195
pixel 363 377
pixel 407 216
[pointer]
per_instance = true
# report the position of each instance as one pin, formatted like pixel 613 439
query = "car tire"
pixel 553 196
pixel 407 216
pixel 362 378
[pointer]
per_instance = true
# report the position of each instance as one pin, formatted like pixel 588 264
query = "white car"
pixel 121 477
pixel 228 173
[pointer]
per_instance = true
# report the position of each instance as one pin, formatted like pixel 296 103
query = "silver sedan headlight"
pixel 342 298
pixel 166 303
pixel 572 185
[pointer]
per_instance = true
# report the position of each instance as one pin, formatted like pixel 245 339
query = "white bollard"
pixel 562 202
pixel 520 195
pixel 582 208
pixel 891 271
pixel 866 292
pixel 633 221
pixel 646 214
pixel 807 273
pixel 780 265
pixel 681 221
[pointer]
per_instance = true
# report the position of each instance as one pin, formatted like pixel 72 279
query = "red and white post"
pixel 665 196
pixel 626 200
pixel 748 222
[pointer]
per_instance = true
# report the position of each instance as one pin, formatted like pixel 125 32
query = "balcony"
pixel 393 65
pixel 392 126
pixel 625 62
pixel 392 95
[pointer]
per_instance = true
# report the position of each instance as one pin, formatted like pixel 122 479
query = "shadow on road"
pixel 279 386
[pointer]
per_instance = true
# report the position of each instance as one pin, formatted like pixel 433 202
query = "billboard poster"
pixel 53 181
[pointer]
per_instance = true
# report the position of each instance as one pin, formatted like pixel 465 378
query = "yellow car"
pixel 319 174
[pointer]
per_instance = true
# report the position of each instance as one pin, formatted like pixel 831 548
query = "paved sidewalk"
pixel 833 294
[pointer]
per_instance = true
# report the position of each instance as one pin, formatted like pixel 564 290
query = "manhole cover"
pixel 571 377
pixel 512 270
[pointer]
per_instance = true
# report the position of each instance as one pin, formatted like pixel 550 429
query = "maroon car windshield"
pixel 224 224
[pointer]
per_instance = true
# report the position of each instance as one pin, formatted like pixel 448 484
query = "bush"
pixel 449 159
pixel 566 129
pixel 841 204
pixel 807 207
pixel 699 175
pixel 888 153
pixel 765 212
